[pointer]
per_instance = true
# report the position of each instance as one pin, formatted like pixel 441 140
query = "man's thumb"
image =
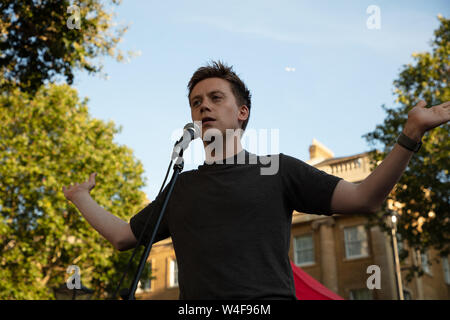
pixel 421 103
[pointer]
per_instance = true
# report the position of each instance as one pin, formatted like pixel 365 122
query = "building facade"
pixel 340 251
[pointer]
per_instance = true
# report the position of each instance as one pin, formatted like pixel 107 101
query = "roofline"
pixel 341 159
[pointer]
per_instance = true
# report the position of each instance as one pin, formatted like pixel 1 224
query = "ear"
pixel 244 113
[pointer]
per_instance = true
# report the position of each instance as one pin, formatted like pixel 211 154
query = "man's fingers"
pixel 421 104
pixel 91 181
pixel 92 177
pixel 445 105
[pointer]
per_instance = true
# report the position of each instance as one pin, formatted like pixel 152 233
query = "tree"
pixel 422 193
pixel 48 140
pixel 43 40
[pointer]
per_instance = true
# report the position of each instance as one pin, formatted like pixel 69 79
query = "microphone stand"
pixel 128 294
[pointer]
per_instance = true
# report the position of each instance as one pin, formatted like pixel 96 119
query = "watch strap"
pixel 408 143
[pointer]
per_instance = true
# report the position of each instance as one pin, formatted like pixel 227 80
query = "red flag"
pixel 308 288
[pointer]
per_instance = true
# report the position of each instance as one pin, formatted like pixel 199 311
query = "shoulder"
pixel 290 161
pixel 189 174
pixel 291 166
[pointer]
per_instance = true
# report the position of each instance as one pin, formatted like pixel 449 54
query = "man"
pixel 229 223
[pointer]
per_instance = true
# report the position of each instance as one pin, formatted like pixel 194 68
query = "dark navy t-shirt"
pixel 230 224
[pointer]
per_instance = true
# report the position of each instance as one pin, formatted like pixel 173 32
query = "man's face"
pixel 214 105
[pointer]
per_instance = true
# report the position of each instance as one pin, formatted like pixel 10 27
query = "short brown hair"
pixel 217 69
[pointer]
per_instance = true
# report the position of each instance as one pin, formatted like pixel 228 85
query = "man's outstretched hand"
pixel 421 119
pixel 72 190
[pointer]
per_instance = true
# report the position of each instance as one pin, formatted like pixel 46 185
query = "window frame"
pixel 295 248
pixel 362 241
pixel 173 273
pixel 427 270
pixel 141 284
pixel 353 291
pixel 446 270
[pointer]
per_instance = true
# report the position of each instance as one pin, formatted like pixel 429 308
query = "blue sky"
pixel 343 70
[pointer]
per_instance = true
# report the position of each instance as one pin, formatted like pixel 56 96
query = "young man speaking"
pixel 230 224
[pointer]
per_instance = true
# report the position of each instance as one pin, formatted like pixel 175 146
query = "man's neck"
pixel 231 147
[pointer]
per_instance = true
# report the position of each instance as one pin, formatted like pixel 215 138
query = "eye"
pixel 216 97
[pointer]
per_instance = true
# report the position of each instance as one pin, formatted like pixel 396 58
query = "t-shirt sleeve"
pixel 308 189
pixel 152 210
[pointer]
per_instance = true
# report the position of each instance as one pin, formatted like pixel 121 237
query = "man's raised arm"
pixel 369 195
pixel 112 228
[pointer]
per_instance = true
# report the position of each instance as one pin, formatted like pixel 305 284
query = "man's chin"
pixel 209 125
pixel 210 134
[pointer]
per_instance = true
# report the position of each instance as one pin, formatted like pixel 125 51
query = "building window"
pixel 400 246
pixel 446 268
pixel 407 295
pixel 356 244
pixel 361 294
pixel 425 264
pixel 173 273
pixel 304 250
pixel 146 285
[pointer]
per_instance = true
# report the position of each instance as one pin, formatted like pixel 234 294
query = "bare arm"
pixel 112 228
pixel 369 195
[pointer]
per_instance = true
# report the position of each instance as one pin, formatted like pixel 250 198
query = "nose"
pixel 204 107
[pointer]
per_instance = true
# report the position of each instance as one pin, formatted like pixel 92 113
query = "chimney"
pixel 318 151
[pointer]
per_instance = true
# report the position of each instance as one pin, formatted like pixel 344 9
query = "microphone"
pixel 191 131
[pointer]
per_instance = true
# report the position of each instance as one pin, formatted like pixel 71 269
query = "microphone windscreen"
pixel 194 127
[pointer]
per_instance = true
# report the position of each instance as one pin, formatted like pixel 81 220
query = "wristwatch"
pixel 408 143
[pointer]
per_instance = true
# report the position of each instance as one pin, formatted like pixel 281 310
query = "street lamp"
pixel 394 219
pixel 396 258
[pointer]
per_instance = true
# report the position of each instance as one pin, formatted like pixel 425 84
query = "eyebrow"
pixel 209 94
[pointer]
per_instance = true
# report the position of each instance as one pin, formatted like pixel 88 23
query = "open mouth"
pixel 207 120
